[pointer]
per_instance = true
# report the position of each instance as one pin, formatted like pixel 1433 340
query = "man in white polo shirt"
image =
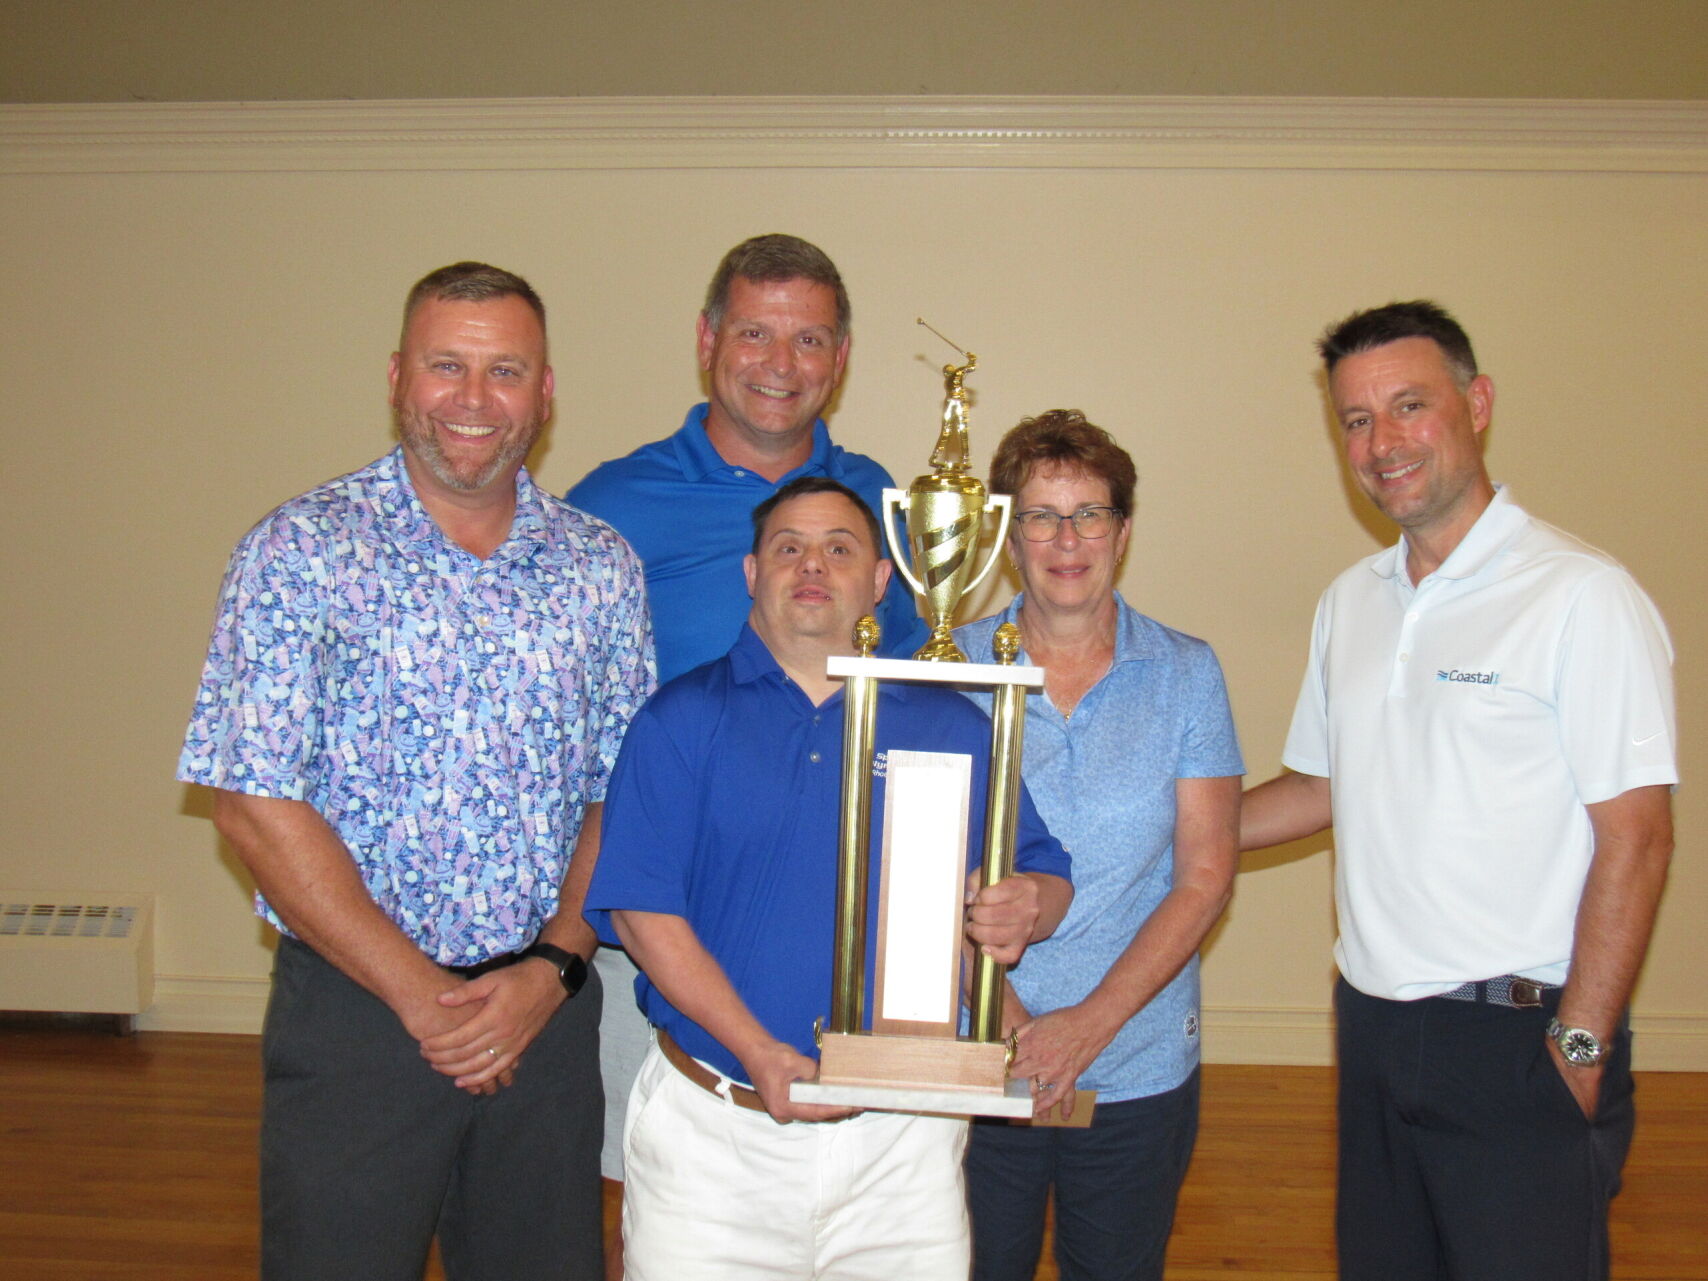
pixel 1486 720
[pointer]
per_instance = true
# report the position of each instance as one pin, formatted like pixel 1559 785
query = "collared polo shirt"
pixel 724 811
pixel 1104 781
pixel 1464 723
pixel 450 717
pixel 689 516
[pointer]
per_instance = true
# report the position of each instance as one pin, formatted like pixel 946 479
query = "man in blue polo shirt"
pixel 773 341
pixel 718 872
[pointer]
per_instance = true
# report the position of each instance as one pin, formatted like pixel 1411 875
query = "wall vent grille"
pixel 80 953
pixel 67 920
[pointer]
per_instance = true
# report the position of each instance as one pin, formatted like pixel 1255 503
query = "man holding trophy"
pixel 718 873
pixel 772 340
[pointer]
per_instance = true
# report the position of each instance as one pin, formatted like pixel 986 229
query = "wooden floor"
pixel 135 1158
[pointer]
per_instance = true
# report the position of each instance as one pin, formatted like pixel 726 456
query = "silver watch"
pixel 1580 1048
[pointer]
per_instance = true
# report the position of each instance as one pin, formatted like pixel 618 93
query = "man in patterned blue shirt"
pixel 419 678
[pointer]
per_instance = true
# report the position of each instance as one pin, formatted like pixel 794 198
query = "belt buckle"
pixel 1526 993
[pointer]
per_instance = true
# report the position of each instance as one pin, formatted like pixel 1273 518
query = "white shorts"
pixel 716 1191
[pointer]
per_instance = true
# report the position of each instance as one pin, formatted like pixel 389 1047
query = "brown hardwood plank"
pixel 134 1158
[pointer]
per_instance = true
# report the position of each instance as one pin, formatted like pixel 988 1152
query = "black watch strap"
pixel 571 969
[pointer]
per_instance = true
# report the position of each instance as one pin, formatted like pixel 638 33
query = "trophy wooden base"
pixel 915 1074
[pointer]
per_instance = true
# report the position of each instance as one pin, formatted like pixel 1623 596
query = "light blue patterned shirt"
pixel 450 717
pixel 1104 782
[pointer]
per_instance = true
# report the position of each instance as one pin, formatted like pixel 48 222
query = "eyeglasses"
pixel 1041 525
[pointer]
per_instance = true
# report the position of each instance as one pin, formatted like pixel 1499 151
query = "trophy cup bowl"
pixel 944 511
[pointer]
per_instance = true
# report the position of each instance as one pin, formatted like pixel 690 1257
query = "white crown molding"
pixel 963 132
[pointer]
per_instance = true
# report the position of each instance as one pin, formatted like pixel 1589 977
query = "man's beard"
pixel 425 445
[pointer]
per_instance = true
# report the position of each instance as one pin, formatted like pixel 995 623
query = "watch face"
pixel 1576 1045
pixel 1580 1047
pixel 573 974
pixel 571 969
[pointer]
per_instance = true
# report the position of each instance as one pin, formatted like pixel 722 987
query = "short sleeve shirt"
pixel 724 811
pixel 450 717
pixel 1465 722
pixel 1104 781
pixel 688 515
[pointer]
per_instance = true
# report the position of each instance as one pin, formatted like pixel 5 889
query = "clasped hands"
pixel 476 1031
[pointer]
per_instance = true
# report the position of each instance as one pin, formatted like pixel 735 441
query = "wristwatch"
pixel 1581 1048
pixel 572 970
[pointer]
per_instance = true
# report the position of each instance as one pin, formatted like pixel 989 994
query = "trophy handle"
pixel 894 502
pixel 1003 505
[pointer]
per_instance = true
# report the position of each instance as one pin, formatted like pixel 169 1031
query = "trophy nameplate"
pixel 917 979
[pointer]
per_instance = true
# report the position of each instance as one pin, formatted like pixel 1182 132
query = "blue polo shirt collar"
pixel 1134 641
pixel 751 661
pixel 698 460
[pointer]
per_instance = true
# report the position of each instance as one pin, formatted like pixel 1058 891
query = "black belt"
pixel 1509 990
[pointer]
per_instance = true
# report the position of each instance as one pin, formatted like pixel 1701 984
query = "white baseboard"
pixel 1669 1042
pixel 183 1003
pixel 1291 1037
pixel 1297 1037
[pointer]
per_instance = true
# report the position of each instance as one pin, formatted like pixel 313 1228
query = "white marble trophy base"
pixel 1014 1101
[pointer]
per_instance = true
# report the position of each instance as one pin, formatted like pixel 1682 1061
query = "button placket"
pixel 1404 647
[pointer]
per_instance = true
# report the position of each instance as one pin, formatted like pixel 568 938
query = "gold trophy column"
pixel 859 728
pixel 1001 820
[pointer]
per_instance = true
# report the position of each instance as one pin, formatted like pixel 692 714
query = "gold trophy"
pixel 913 1058
pixel 945 521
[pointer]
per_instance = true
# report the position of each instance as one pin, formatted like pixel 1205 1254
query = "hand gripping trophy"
pixel 912 1057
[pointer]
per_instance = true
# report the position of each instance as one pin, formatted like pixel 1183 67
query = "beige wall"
pixel 195 324
pixel 264 50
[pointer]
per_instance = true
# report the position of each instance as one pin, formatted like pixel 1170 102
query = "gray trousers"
pixel 367 1152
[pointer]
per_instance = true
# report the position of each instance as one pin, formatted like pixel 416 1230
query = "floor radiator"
pixel 80 953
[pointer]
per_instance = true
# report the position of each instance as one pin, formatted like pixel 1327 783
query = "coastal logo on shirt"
pixel 1462 677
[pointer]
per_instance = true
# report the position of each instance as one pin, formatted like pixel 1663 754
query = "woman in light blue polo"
pixel 1132 759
